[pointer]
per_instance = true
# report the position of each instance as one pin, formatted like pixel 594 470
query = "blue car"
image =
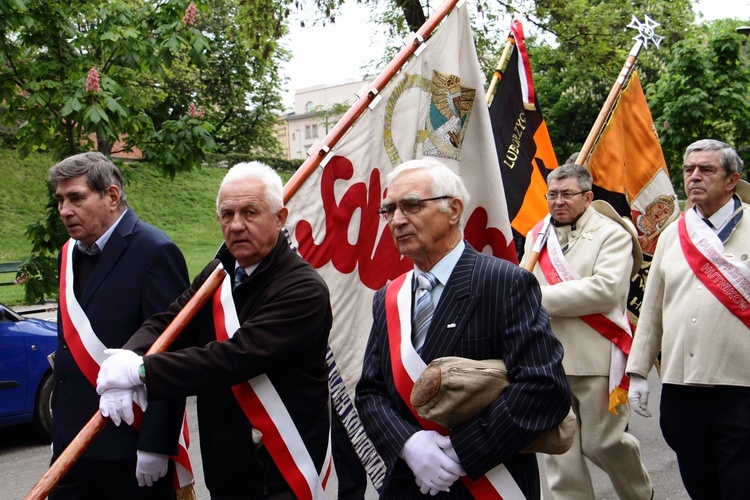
pixel 25 373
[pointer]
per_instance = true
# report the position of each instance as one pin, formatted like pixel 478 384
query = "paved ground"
pixel 23 461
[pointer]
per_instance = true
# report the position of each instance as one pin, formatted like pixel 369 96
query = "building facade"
pixel 314 114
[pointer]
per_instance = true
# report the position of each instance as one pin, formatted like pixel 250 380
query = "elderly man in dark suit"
pixel 254 356
pixel 481 307
pixel 115 272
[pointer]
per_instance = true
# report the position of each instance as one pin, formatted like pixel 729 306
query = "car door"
pixel 13 373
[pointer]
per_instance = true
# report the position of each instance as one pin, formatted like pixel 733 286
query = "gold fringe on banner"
pixel 187 493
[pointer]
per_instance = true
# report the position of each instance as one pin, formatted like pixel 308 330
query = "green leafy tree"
pixel 327 117
pixel 70 72
pixel 581 50
pixel 704 92
pixel 239 91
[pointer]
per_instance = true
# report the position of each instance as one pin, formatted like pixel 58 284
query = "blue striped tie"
pixel 239 276
pixel 423 310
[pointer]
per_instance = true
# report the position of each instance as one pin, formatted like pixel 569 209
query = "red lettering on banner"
pixel 360 203
pixel 482 238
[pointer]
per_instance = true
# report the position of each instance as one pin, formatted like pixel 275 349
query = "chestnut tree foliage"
pixel 75 71
pixel 175 79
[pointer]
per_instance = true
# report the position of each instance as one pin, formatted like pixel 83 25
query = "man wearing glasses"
pixel 455 302
pixel 587 255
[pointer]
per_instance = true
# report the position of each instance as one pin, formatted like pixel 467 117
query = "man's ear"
pixel 113 194
pixel 732 180
pixel 456 206
pixel 281 216
pixel 588 197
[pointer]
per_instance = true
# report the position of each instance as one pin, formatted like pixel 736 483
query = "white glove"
pixel 433 469
pixel 638 395
pixel 150 467
pixel 117 404
pixel 119 371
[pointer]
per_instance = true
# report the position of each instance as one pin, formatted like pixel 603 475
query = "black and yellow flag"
pixel 524 148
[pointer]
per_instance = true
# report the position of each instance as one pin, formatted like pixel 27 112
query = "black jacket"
pixel 285 313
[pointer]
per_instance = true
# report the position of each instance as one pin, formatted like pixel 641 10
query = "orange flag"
pixel 630 173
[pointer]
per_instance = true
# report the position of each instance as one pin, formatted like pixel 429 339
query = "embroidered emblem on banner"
pixel 407 83
pixel 448 116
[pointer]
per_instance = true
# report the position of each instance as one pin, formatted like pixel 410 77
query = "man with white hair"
pixel 254 355
pixel 466 304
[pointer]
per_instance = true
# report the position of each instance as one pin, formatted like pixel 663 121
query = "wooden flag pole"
pixel 96 424
pixel 537 249
pixel 645 33
pixel 498 74
pixel 338 131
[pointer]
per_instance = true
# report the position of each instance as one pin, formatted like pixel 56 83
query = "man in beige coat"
pixel 586 258
pixel 696 311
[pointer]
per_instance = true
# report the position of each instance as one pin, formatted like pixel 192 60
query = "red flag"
pixel 523 145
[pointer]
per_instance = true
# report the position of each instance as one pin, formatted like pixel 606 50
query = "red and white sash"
pixel 88 352
pixel 613 325
pixel 266 411
pixel 725 277
pixel 407 365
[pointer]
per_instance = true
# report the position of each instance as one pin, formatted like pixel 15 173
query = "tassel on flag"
pixel 627 165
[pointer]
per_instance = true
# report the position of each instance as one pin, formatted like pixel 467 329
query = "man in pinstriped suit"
pixel 484 308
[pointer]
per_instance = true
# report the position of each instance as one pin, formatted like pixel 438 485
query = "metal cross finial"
pixel 646 31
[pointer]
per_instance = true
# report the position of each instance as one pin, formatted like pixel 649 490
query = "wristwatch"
pixel 142 373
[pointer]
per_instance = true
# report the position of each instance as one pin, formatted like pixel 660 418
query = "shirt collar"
pixel 249 269
pixel 444 267
pixel 721 216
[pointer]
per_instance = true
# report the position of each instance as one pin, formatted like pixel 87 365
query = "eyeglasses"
pixel 564 196
pixel 408 206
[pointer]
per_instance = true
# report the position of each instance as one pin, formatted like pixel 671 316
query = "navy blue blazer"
pixel 497 312
pixel 139 273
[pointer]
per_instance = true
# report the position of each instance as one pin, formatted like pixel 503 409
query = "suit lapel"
pixel 454 309
pixel 110 255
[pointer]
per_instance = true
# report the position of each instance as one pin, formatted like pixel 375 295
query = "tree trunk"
pixel 413 13
pixel 103 146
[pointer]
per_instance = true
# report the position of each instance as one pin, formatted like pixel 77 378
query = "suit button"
pixel 61 380
pixel 65 346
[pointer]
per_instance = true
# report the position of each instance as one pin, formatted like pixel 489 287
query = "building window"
pixel 309 107
pixel 315 131
pixel 294 137
pixel 307 132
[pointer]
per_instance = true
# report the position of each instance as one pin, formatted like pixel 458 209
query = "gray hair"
pixel 579 172
pixel 728 157
pixel 445 182
pixel 274 188
pixel 100 173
